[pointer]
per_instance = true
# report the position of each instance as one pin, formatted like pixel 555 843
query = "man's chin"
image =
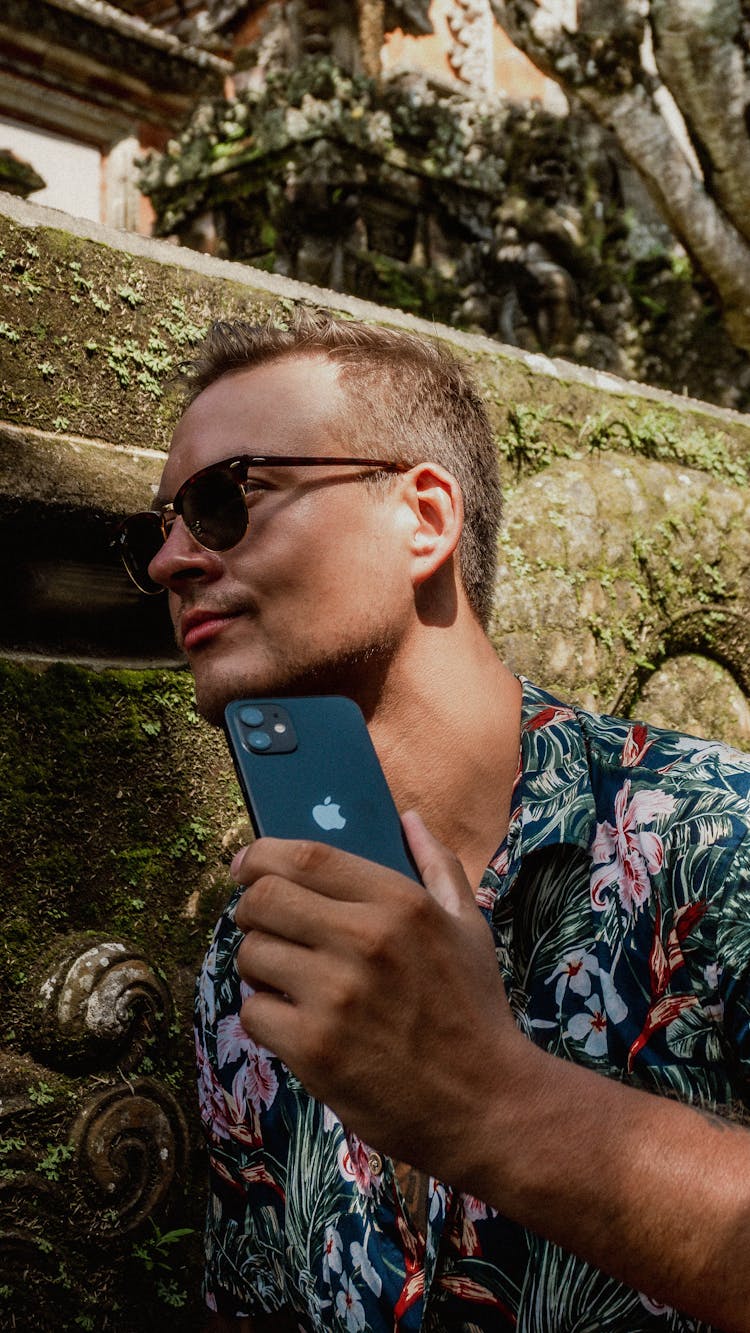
pixel 212 697
pixel 360 675
pixel 211 704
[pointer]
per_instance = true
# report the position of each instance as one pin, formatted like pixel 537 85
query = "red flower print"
pixel 636 745
pixel 631 853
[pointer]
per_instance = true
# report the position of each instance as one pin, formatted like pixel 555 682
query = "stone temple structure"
pixel 404 152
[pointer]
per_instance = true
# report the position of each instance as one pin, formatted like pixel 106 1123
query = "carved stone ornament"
pixel 129 1141
pixel 102 1003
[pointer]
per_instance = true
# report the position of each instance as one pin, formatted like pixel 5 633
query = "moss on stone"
pixel 116 804
pixel 118 378
pixel 115 798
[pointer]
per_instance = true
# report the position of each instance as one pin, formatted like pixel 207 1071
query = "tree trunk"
pixel 371 35
pixel 593 50
pixel 701 63
pixel 713 243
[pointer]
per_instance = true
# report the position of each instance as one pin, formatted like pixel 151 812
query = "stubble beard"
pixel 359 673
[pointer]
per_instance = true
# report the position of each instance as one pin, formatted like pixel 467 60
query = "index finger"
pixel 326 870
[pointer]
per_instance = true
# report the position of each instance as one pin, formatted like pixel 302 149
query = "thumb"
pixel 441 871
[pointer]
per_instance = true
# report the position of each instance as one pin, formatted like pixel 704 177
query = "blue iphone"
pixel 308 769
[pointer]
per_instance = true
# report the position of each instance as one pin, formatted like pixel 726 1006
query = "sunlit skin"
pixel 338 586
pixel 288 605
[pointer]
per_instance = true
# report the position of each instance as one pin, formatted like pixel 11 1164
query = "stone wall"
pixel 623 583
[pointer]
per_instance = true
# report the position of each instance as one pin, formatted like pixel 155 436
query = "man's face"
pixel 316 596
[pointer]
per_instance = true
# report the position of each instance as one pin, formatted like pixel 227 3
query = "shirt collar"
pixel 552 802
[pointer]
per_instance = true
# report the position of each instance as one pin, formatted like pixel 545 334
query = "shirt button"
pixel 375 1164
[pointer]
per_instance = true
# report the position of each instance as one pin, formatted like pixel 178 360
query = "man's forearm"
pixel 441 1077
pixel 651 1191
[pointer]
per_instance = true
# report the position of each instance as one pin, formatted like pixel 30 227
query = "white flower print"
pixel 356 1161
pixel 349 1306
pixel 614 1005
pixel 475 1210
pixel 590 1028
pixel 626 852
pixel 256 1082
pixel 360 1258
pixel 331 1253
pixel 575 970
pixel 232 1040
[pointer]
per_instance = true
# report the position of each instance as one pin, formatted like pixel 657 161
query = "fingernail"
pixel 234 869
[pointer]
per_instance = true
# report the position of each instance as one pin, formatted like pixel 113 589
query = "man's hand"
pixel 384 998
pixel 386 1001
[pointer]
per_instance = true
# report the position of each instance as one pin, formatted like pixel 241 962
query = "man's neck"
pixel 447 732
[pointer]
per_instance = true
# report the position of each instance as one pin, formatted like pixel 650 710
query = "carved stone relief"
pixel 100 1004
pixel 88 1154
pixel 700 695
pixel 129 1142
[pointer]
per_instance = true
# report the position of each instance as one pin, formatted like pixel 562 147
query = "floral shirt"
pixel 620 907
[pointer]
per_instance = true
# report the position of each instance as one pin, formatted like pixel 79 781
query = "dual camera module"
pixel 267 729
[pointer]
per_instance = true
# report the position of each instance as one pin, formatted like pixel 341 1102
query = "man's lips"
pixel 198 626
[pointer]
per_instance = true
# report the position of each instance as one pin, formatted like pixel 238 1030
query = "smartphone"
pixel 308 769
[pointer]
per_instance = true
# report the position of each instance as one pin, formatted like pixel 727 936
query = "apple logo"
pixel 328 816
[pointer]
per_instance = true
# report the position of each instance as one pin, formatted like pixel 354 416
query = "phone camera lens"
pixel 259 740
pixel 252 717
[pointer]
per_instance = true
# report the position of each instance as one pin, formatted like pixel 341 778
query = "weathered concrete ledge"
pixel 139 277
pixel 627 515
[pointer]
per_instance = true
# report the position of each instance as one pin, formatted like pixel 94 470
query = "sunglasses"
pixel 213 506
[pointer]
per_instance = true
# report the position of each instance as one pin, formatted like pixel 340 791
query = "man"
pixel 585 912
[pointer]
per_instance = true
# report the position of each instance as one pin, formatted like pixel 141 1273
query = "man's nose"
pixel 182 559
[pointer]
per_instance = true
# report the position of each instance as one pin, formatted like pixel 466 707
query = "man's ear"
pixel 436 518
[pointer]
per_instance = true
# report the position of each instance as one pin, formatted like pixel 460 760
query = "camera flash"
pixel 279 728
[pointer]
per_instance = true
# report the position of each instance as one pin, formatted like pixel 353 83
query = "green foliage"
pixel 130 296
pixel 155 1251
pixel 41 1094
pixel 171 1293
pixel 191 841
pixel 54 1161
pixel 536 436
pixel 654 434
pixel 527 444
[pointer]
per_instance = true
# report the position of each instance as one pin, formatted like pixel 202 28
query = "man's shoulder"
pixel 639 748
pixel 646 753
pixel 633 773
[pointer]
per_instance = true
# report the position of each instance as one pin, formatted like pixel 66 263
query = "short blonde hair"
pixel 413 401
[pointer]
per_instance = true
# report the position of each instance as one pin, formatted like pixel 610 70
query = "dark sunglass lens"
pixel 215 511
pixel 140 537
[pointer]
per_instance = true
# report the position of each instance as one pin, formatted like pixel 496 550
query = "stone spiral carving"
pixel 102 1003
pixel 130 1140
